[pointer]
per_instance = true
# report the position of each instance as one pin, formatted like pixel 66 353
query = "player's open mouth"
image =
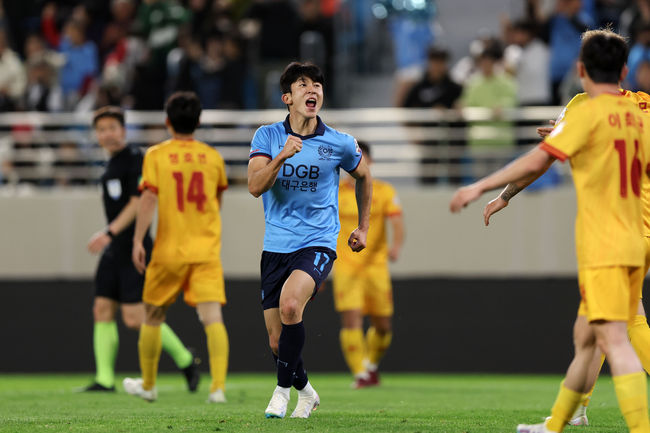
pixel 311 103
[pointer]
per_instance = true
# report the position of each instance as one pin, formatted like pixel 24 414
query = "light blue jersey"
pixel 302 208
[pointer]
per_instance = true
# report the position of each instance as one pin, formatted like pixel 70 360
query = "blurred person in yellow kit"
pixel 362 285
pixel 185 179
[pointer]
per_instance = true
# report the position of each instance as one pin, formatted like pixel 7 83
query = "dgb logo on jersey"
pixel 325 152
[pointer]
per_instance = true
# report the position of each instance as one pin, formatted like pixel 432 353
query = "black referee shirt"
pixel 120 183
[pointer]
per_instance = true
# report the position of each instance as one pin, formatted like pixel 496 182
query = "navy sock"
pixel 300 376
pixel 292 339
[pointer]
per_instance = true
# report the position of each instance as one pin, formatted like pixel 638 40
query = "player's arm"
pixel 262 172
pixel 144 217
pixel 220 198
pixel 532 164
pixel 363 193
pixel 511 190
pixel 102 238
pixel 397 228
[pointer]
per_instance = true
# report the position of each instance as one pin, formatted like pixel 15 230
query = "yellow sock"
pixel 218 352
pixel 565 404
pixel 376 345
pixel 632 395
pixel 639 334
pixel 352 345
pixel 149 348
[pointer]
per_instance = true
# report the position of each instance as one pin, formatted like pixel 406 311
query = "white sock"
pixel 362 375
pixel 307 391
pixel 284 391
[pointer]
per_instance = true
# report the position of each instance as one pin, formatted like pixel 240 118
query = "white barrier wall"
pixel 43 234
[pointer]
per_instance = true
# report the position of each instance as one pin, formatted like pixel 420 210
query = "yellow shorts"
pixel 610 293
pixel 368 289
pixel 200 282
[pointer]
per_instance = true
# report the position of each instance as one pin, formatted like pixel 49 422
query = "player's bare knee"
pixel 102 312
pixel 155 315
pixel 132 321
pixel 290 311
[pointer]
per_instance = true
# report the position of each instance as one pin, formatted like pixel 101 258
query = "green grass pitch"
pixel 403 403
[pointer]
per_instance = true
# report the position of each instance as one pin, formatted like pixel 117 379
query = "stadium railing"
pixel 408 145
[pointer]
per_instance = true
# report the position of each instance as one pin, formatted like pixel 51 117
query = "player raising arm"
pixel 294 165
pixel 603 139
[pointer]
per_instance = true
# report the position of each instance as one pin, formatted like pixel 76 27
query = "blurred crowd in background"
pixel 78 55
pixel 72 55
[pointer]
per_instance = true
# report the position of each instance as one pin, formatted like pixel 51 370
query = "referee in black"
pixel 117 283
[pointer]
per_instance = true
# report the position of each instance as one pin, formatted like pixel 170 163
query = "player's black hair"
pixel 492 49
pixel 109 111
pixel 365 148
pixel 604 54
pixel 183 111
pixel 295 70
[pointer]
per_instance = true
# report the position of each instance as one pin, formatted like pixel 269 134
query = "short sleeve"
pixel 570 135
pixel 134 175
pixel 573 103
pixel 222 182
pixel 393 205
pixel 351 155
pixel 261 144
pixel 149 172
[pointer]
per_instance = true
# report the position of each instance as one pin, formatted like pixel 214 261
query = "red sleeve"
pixel 553 151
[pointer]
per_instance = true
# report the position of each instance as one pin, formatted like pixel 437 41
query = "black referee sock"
pixel 292 340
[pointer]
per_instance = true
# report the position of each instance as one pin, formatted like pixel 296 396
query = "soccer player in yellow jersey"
pixel 362 283
pixel 604 141
pixel 185 179
pixel 638 329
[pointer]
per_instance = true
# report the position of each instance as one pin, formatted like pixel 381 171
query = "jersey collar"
pixel 320 129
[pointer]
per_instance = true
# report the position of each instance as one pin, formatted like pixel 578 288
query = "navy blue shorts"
pixel 276 268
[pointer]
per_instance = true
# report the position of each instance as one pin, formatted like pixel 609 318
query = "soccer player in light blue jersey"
pixel 294 165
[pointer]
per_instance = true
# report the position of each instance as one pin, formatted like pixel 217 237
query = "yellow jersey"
pixel 186 175
pixel 603 139
pixel 384 204
pixel 642 99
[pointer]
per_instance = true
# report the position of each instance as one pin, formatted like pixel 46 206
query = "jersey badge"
pixel 325 152
pixel 114 188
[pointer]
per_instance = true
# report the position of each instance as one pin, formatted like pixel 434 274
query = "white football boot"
pixel 308 401
pixel 217 397
pixel 277 407
pixel 134 387
pixel 533 428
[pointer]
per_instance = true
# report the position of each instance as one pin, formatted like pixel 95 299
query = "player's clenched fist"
pixel 357 240
pixel 292 146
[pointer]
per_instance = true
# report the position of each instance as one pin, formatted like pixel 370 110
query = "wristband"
pixel 110 233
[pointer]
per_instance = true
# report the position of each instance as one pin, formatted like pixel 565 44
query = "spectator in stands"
pixel 43 91
pixel 158 21
pixel 36 49
pixel 639 53
pixel 316 33
pixel 12 76
pixel 81 64
pixel 643 76
pixel 235 76
pixel 635 18
pixel 562 31
pixel 209 80
pixel 490 88
pixel 527 58
pixel 273 26
pixel 435 89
